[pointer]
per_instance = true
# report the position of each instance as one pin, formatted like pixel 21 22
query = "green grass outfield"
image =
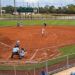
pixel 67 50
pixel 5 23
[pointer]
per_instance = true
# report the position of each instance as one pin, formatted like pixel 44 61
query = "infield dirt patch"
pixel 38 48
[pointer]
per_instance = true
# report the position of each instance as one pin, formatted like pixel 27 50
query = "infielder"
pixel 45 24
pixel 18 24
pixel 21 24
pixel 43 31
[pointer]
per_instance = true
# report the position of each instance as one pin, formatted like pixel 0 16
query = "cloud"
pixel 29 1
pixel 47 1
pixel 56 3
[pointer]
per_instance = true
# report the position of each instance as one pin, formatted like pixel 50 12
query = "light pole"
pixel 27 4
pixel 0 8
pixel 38 7
pixel 15 7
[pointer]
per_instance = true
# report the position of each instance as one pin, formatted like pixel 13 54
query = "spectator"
pixel 72 73
pixel 43 73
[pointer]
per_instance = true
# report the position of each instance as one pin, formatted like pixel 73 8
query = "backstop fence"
pixel 25 68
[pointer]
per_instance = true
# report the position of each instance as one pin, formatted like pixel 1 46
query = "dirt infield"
pixel 38 48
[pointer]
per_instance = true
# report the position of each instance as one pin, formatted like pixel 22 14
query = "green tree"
pixel 9 9
pixel 42 10
pixel 71 9
pixel 52 9
pixel 46 8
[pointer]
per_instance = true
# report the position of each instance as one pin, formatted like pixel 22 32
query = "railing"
pixel 38 18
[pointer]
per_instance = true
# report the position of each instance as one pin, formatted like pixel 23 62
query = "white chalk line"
pixel 58 45
pixel 49 47
pixel 34 54
pixel 5 44
pixel 39 49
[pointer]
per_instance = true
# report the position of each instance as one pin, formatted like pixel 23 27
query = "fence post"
pixel 34 69
pixel 67 61
pixel 47 67
pixel 14 69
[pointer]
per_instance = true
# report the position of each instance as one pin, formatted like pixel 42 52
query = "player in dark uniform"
pixel 15 52
pixel 45 24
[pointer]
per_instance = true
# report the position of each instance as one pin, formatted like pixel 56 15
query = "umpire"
pixel 15 52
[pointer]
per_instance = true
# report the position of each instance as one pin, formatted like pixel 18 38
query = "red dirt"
pixel 31 39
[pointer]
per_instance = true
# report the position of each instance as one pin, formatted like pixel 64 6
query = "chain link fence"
pixel 50 66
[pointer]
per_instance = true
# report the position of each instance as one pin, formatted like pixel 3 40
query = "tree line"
pixel 69 9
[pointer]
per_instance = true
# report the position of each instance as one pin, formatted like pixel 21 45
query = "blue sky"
pixel 34 3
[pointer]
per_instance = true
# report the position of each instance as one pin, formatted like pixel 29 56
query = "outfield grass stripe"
pixel 67 50
pixel 4 23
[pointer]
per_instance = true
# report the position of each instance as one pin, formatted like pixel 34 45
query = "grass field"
pixel 4 23
pixel 67 50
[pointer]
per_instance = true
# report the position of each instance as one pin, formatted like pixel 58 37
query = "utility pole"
pixel 38 7
pixel 0 9
pixel 15 7
pixel 27 4
pixel 33 5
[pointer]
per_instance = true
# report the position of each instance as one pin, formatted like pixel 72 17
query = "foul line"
pixel 5 44
pixel 58 45
pixel 34 54
pixel 50 47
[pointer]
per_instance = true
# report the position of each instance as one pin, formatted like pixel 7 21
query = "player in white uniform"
pixel 43 31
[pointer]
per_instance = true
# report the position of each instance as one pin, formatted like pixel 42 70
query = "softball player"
pixel 45 24
pixel 43 31
pixel 18 24
pixel 15 52
pixel 23 52
pixel 18 43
